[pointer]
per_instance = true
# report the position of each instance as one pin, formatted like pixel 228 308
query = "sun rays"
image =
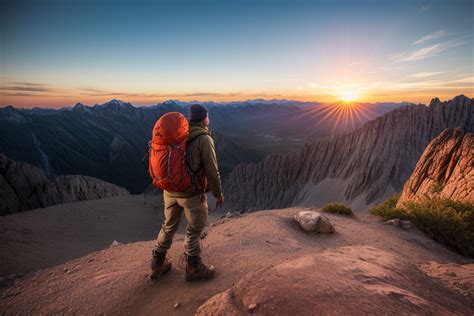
pixel 345 116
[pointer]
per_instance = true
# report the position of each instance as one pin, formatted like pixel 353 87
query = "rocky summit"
pixel 360 168
pixel 445 170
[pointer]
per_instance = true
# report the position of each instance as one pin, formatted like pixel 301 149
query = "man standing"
pixel 202 162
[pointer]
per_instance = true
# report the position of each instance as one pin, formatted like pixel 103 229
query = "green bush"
pixel 446 221
pixel 337 208
pixel 388 210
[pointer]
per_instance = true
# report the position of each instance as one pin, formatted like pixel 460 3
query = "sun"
pixel 349 95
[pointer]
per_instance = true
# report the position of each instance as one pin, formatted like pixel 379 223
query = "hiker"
pixel 202 165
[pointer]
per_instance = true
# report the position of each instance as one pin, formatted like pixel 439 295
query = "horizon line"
pixel 137 105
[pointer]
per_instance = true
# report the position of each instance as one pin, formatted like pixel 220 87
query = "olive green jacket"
pixel 201 153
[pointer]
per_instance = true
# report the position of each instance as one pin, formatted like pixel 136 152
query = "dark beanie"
pixel 197 113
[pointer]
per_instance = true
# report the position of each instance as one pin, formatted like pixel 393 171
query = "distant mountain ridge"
pixel 109 141
pixel 175 102
pixel 359 168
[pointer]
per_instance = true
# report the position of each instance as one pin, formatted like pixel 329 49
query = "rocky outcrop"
pixel 445 170
pixel 354 280
pixel 24 187
pixel 358 168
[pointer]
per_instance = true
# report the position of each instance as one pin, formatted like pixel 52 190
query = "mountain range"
pixel 359 168
pixel 109 141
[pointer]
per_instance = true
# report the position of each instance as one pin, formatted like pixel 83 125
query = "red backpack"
pixel 167 163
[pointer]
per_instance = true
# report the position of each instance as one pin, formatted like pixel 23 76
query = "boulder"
pixel 311 221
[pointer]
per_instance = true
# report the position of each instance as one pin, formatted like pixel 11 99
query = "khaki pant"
pixel 195 211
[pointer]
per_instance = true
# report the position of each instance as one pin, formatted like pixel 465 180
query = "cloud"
pixel 18 94
pixel 431 36
pixel 33 84
pixel 427 52
pixel 92 92
pixel 102 93
pixel 27 87
pixel 435 85
pixel 425 74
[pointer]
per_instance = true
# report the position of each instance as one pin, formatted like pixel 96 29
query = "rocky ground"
pixel 266 265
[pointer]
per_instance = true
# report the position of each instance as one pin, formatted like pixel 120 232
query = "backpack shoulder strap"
pixel 199 171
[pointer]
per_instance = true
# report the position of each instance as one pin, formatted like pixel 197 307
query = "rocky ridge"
pixel 359 168
pixel 445 170
pixel 24 187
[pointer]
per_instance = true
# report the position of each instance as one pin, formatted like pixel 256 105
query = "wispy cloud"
pixel 32 84
pixel 427 52
pixel 26 86
pixel 100 92
pixel 437 85
pixel 425 74
pixel 431 36
pixel 23 88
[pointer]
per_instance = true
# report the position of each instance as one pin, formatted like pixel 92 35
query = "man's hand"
pixel 220 200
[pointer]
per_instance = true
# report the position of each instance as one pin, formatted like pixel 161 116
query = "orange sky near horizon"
pixel 62 99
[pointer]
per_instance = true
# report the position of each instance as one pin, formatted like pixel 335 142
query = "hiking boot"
pixel 160 264
pixel 198 271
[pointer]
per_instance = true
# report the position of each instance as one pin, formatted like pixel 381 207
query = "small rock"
pixel 176 305
pixel 394 222
pixel 115 244
pixel 232 214
pixel 311 221
pixel 252 307
pixel 90 260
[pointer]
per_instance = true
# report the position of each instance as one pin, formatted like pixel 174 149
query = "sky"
pixel 58 53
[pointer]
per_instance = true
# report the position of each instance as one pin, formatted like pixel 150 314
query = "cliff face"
pixel 24 187
pixel 445 170
pixel 359 168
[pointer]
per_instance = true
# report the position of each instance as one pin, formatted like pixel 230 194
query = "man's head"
pixel 198 115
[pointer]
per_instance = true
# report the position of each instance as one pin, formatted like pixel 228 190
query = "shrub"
pixel 388 210
pixel 446 221
pixel 337 208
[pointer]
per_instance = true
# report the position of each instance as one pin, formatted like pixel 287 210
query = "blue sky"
pixel 56 53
